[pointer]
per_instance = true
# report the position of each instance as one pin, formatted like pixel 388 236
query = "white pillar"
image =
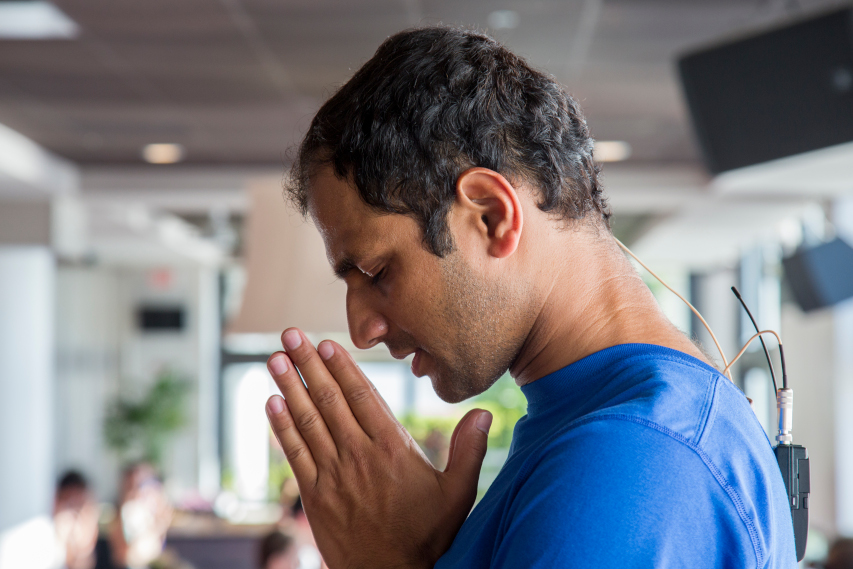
pixel 209 332
pixel 27 275
pixel 843 396
pixel 712 296
pixel 87 348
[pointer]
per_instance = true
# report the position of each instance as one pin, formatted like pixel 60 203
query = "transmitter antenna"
pixel 763 345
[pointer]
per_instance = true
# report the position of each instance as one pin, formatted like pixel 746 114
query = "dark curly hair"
pixel 435 101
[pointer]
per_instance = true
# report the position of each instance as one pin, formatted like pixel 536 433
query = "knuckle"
pixel 389 446
pixel 326 396
pixel 360 460
pixel 308 420
pixel 359 395
pixel 352 445
pixel 296 453
pixel 333 480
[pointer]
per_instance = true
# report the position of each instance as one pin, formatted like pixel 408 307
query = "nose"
pixel 367 326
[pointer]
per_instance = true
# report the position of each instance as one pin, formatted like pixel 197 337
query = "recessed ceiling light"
pixel 35 20
pixel 503 20
pixel 611 151
pixel 163 153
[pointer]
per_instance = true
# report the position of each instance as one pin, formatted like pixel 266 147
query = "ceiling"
pixel 237 81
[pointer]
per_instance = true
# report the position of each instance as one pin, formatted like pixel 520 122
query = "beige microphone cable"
pixel 726 370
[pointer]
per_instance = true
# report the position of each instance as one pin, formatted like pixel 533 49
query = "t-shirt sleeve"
pixel 631 498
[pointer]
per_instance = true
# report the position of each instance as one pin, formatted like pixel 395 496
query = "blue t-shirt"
pixel 635 456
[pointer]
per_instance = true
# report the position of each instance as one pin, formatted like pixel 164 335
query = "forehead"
pixel 350 228
pixel 72 495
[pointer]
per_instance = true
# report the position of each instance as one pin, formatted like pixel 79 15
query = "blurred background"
pixel 148 262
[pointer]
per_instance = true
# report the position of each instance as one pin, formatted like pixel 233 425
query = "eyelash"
pixel 374 280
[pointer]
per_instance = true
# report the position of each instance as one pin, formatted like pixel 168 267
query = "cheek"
pixel 414 307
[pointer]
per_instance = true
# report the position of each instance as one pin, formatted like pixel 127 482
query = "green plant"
pixel 141 429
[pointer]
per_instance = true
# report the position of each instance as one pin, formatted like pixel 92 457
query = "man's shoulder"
pixel 674 415
pixel 681 447
pixel 661 389
pixel 615 442
pixel 621 479
pixel 666 461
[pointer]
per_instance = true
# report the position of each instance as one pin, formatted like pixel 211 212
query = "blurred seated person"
pixel 295 523
pixel 278 551
pixel 143 516
pixel 75 519
pixel 840 555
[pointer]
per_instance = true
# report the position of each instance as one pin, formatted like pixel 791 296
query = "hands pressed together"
pixel 371 496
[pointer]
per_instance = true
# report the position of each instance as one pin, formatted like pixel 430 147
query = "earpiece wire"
pixel 726 371
pixel 745 346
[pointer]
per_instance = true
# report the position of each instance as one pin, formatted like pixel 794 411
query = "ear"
pixel 489 205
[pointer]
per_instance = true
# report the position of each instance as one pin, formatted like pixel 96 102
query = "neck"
pixel 595 300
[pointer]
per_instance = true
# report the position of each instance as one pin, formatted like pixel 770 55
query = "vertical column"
pixel 209 335
pixel 87 355
pixel 843 396
pixel 711 294
pixel 27 275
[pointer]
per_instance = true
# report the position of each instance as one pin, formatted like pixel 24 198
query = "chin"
pixel 454 389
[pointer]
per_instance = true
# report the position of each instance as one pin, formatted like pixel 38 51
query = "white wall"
pixel 26 380
pixel 810 355
pixel 102 354
pixel 146 354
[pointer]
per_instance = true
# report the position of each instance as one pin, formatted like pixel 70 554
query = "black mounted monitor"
pixel 160 318
pixel 821 276
pixel 774 94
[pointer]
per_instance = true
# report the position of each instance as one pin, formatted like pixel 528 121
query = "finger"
pixel 322 387
pixel 301 408
pixel 467 451
pixel 367 405
pixel 295 449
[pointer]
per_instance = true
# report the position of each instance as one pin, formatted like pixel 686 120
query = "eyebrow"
pixel 344 266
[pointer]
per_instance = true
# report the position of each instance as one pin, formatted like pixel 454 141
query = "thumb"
pixel 467 450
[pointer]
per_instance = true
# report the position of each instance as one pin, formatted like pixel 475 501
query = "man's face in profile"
pixel 442 310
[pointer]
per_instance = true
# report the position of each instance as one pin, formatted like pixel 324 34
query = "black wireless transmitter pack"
pixel 793 459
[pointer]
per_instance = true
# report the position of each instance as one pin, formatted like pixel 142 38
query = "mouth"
pixel 401 355
pixel 416 361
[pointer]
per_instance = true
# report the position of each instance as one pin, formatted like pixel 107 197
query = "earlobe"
pixel 495 208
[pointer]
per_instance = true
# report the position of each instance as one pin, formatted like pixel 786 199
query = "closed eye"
pixel 374 280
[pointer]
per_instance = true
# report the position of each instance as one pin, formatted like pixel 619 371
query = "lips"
pixel 400 355
pixel 417 363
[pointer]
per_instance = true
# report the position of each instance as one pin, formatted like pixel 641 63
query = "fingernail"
pixel 326 350
pixel 484 422
pixel 292 339
pixel 278 365
pixel 275 405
